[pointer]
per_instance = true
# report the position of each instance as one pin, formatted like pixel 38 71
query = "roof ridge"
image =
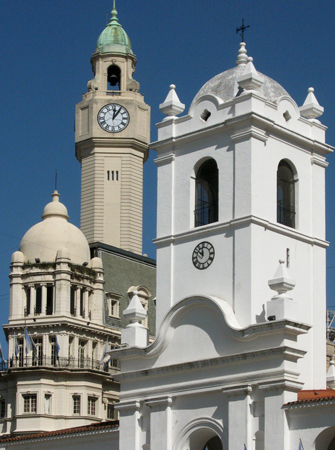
pixel 45 434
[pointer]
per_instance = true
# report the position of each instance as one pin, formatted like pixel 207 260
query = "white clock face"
pixel 113 118
pixel 203 255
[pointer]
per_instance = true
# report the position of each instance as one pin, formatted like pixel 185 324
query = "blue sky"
pixel 45 65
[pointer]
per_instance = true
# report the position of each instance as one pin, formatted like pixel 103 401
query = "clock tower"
pixel 112 142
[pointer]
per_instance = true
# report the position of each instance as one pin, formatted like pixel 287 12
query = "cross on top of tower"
pixel 242 29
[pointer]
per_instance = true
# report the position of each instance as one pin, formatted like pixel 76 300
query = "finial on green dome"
pixel 113 38
pixel 114 18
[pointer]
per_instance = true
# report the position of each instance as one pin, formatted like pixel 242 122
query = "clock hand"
pixel 200 252
pixel 117 112
pixel 114 109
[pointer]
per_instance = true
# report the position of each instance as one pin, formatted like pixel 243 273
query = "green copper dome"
pixel 114 38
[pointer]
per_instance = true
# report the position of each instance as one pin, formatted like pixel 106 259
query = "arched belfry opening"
pixel 286 195
pixel 214 444
pixel 206 194
pixel 114 78
pixel 331 446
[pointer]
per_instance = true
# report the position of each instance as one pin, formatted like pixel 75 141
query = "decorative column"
pixel 129 425
pixel 16 304
pixel 62 283
pixel 160 423
pixel 44 299
pixel 86 303
pixel 32 299
pixel 239 417
pixel 77 301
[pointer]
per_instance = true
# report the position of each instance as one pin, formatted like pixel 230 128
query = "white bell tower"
pixel 112 143
pixel 241 185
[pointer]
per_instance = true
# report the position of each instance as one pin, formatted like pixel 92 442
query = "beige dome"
pixel 45 238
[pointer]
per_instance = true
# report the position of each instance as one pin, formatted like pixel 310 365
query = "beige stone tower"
pixel 112 143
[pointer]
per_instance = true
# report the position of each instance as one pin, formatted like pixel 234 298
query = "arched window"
pixel 285 195
pixel 206 194
pixel 114 78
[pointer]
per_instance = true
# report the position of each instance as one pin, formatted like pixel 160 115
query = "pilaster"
pixel 239 417
pixel 129 425
pixel 160 423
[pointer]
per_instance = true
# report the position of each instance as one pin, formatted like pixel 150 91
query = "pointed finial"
pixel 55 196
pixel 114 18
pixel 242 57
pixel 249 78
pixel 172 106
pixel 281 282
pixel 311 109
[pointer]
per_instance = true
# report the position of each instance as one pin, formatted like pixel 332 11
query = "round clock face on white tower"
pixel 113 118
pixel 203 255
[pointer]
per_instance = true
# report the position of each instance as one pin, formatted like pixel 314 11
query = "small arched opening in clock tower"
pixel 206 193
pixel 114 78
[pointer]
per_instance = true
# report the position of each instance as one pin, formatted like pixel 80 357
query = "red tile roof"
pixel 67 431
pixel 314 396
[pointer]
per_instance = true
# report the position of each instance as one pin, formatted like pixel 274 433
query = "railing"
pixel 285 215
pixel 205 213
pixel 69 363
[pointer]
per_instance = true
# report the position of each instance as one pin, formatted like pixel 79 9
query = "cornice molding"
pixel 206 230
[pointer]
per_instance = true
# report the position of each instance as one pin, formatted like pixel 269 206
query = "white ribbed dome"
pixel 226 87
pixel 45 238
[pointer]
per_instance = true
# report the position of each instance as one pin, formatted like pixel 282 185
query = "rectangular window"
pixel 27 311
pixel 114 363
pixel 2 409
pixel 81 354
pixel 114 308
pixel 112 175
pixel 38 307
pixel 94 352
pixel 76 404
pixel 91 406
pixel 71 340
pixel 72 304
pixel 113 304
pixel 50 292
pixel 112 413
pixel 47 401
pixel 29 405
pixel 82 309
pixel 19 357
pixel 117 175
pixel 53 351
pixel 38 352
pixel 107 175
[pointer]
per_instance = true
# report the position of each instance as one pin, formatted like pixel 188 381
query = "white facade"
pixel 241 211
